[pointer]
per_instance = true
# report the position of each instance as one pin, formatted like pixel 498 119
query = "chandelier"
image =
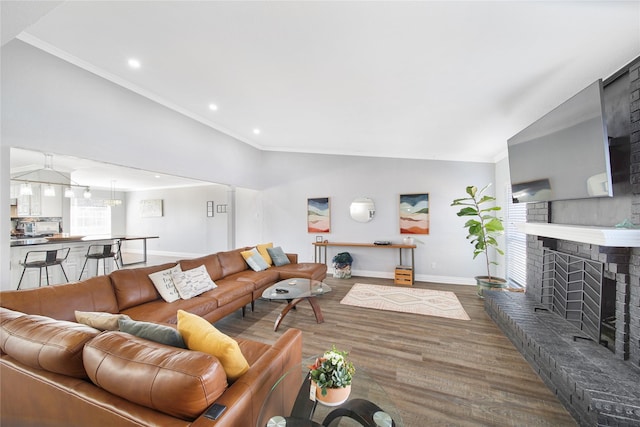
pixel 51 178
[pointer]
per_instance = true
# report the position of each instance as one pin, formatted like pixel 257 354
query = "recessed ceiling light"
pixel 213 107
pixel 256 131
pixel 134 63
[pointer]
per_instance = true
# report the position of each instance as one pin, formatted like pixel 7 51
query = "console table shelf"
pixel 319 253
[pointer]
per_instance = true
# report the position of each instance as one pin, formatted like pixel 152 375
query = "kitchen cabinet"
pixel 31 205
pixel 52 206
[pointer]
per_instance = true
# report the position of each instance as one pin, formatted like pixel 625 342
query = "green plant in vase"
pixel 330 373
pixel 483 228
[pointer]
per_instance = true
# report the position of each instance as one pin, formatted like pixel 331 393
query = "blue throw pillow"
pixel 152 332
pixel 278 256
pixel 255 260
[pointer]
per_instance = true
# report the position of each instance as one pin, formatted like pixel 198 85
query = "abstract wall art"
pixel 414 213
pixel 318 215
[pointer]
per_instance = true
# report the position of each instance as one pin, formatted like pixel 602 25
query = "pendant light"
pixel 113 201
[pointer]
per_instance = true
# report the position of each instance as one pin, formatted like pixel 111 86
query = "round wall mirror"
pixel 362 209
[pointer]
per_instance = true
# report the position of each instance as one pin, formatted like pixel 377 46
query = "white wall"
pixel 184 230
pixel 249 218
pixel 293 178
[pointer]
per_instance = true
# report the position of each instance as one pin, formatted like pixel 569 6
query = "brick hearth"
pixel 595 387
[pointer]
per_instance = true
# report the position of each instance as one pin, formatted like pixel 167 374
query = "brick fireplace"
pixel 593 366
pixel 621 316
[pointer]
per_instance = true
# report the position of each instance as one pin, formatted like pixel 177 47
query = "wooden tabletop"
pixel 366 245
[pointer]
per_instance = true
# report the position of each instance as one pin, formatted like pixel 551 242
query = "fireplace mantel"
pixel 603 236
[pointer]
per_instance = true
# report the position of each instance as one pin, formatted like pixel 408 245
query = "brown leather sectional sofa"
pixel 49 364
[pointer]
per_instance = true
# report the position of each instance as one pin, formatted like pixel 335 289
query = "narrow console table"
pixel 320 254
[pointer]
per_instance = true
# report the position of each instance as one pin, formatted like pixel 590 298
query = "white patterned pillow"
pixel 163 281
pixel 193 282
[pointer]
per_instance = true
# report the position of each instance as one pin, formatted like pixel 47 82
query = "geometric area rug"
pixel 406 300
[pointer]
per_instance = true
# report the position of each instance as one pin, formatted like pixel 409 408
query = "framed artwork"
pixel 210 208
pixel 151 208
pixel 414 213
pixel 318 215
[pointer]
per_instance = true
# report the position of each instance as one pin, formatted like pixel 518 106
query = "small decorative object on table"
pixel 331 375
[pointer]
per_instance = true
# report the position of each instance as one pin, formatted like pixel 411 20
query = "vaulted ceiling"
pixel 427 80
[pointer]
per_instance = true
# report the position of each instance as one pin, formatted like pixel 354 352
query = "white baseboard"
pixel 450 280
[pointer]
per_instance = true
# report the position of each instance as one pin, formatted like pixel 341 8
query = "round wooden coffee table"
pixel 295 290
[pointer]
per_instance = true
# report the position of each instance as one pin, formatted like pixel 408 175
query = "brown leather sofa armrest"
pixel 248 393
pixel 293 258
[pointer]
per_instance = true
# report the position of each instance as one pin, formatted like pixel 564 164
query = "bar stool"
pixel 105 251
pixel 44 259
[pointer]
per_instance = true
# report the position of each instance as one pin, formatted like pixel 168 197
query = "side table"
pixel 368 405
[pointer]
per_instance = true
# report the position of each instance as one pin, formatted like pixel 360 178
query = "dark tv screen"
pixel 565 154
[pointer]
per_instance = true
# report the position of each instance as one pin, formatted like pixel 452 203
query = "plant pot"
pixel 496 283
pixel 342 272
pixel 334 396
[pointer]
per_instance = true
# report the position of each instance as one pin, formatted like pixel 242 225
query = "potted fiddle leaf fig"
pixel 483 228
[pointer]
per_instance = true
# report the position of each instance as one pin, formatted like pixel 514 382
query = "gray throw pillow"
pixel 278 256
pixel 152 332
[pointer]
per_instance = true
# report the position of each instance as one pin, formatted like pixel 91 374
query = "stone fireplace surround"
pixel 598 386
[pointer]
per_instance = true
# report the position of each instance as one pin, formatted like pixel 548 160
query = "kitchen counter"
pixel 73 265
pixel 31 241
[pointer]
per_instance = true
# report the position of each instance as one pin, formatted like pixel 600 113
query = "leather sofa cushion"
pixel 61 301
pixel 228 291
pixel 210 262
pixel 306 270
pixel 163 312
pixel 259 278
pixel 178 382
pixel 48 344
pixel 232 261
pixel 134 287
pixel 7 315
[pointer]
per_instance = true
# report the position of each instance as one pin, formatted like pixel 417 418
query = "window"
pixel 516 242
pixel 89 217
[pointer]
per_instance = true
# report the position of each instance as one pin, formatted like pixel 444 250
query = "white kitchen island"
pixel 72 266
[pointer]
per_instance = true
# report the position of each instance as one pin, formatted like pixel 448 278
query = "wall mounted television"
pixel 565 154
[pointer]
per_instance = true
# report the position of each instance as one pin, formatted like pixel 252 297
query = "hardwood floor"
pixel 439 372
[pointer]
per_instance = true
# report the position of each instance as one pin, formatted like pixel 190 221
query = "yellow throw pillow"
pixel 200 335
pixel 255 260
pixel 262 249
